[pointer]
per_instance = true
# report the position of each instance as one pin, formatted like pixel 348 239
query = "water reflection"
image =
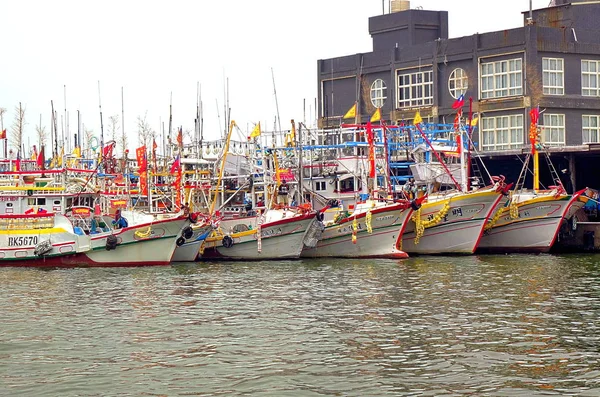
pixel 478 325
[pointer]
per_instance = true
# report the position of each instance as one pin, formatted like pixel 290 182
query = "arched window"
pixel 378 93
pixel 458 82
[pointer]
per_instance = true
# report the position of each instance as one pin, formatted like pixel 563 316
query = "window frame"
pixel 589 90
pixel 380 92
pixel 595 129
pixel 463 81
pixel 420 93
pixel 511 130
pixel 547 72
pixel 493 72
pixel 548 130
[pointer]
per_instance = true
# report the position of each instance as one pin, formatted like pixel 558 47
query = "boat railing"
pixel 26 221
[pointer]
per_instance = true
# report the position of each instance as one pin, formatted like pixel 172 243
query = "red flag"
pixel 41 161
pixel 459 103
pixel 180 138
pixel 108 149
pixel 18 161
pixel 176 165
pixel 140 154
pixel 370 141
pixel 3 134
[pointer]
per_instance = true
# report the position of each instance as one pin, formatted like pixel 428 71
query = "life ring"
pixel 227 242
pixel 187 232
pixel 320 216
pixel 92 146
pixel 180 241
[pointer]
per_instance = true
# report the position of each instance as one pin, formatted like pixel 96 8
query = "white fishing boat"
pixel 39 240
pixel 373 230
pixel 278 234
pixel 528 221
pixel 450 222
pixel 149 241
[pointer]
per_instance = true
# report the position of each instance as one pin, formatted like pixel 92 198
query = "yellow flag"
pixel 376 116
pixel 77 152
pixel 256 131
pixel 417 119
pixel 351 113
pixel 474 121
pixel 60 157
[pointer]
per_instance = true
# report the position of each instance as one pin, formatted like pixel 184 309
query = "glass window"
pixel 415 89
pixel 553 76
pixel 502 132
pixel 458 83
pixel 553 130
pixel 502 78
pixel 589 78
pixel 591 129
pixel 378 93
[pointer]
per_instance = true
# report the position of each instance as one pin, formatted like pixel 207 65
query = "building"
pixel 553 62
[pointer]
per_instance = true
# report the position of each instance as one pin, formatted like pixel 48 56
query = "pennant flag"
pixel 34 153
pixel 41 161
pixel 108 149
pixel 154 145
pixel 417 118
pixel 351 113
pixel 376 116
pixel 176 165
pixel 77 152
pixel 459 103
pixel 59 160
pixel 474 121
pixel 256 131
pixel 3 134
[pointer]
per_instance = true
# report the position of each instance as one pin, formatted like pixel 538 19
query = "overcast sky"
pixel 155 49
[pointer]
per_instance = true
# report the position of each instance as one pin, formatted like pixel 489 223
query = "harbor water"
pixel 511 325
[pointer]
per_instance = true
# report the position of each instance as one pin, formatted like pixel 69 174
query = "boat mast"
pixel 221 168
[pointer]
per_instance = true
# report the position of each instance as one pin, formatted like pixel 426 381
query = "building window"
pixel 502 132
pixel 591 129
pixel 320 186
pixel 553 131
pixel 378 93
pixel 553 76
pixel 458 83
pixel 502 78
pixel 415 89
pixel 590 71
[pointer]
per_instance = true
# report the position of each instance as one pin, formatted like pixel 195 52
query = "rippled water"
pixel 488 325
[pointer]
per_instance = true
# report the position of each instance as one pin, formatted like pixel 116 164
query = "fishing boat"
pixel 453 214
pixel 279 233
pixel 39 240
pixel 372 230
pixel 530 219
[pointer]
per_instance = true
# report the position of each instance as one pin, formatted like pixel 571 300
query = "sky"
pixel 82 55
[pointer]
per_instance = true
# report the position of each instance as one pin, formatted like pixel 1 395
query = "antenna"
pixel 276 103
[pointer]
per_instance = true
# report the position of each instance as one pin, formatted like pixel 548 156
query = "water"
pixel 445 326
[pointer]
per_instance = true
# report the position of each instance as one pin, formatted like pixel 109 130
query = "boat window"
pixel 41 201
pixel 56 202
pixel 9 205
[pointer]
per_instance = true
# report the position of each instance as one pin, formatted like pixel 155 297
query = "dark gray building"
pixel 553 62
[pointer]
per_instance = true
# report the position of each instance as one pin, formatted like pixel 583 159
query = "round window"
pixel 458 82
pixel 378 93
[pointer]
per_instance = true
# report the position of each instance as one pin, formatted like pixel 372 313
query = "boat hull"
pixel 387 225
pixel 137 245
pixel 189 251
pixel 534 230
pixel 459 231
pixel 282 239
